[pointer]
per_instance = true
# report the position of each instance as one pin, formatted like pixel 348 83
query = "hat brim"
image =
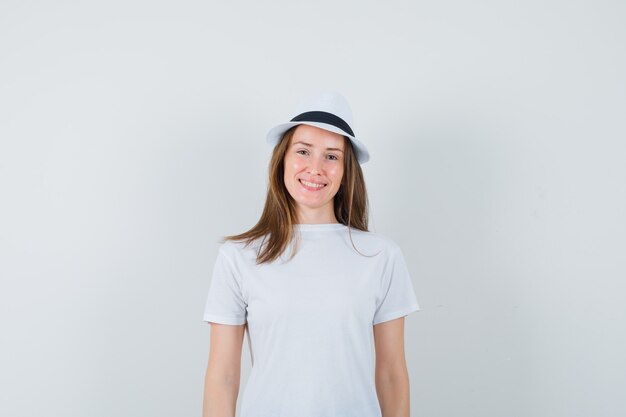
pixel 276 133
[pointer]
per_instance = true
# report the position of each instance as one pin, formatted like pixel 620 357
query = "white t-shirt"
pixel 310 319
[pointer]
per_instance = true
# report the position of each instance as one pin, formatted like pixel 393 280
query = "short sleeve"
pixel 398 296
pixel 225 302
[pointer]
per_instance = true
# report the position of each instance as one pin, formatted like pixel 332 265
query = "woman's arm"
pixel 221 383
pixel 392 377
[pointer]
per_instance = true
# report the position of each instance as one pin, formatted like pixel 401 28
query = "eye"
pixel 334 156
pixel 301 150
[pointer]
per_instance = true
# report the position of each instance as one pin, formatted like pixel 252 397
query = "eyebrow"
pixel 309 145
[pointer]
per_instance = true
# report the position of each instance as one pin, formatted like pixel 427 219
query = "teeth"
pixel 310 184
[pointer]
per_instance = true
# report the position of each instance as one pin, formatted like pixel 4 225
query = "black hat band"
pixel 324 117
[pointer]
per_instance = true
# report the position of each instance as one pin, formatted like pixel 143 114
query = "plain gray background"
pixel 132 138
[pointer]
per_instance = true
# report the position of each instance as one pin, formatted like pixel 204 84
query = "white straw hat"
pixel 327 110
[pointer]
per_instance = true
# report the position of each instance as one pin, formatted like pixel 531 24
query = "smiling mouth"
pixel 309 187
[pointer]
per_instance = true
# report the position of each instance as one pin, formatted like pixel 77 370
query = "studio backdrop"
pixel 132 138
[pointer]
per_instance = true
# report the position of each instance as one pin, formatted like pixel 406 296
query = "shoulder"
pixel 375 240
pixel 238 251
pixel 231 247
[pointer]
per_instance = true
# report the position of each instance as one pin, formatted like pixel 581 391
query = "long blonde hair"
pixel 279 214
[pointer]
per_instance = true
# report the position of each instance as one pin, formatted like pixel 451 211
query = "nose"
pixel 315 165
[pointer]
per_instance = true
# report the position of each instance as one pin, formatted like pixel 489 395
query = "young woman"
pixel 316 291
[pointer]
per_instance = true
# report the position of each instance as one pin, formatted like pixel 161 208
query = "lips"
pixel 306 187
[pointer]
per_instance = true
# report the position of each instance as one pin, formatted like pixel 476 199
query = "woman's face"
pixel 315 156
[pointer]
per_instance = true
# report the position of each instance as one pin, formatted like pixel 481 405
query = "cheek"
pixel 336 174
pixel 292 167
